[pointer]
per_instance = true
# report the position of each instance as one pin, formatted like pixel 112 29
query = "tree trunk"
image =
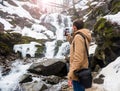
pixel 76 15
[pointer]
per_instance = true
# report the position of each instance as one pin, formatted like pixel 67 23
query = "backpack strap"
pixel 85 46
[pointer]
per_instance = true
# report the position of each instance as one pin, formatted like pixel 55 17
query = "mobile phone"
pixel 66 32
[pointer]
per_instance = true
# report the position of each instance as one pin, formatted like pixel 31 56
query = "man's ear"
pixel 75 28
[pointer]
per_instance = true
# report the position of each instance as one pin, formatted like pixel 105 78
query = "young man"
pixel 78 54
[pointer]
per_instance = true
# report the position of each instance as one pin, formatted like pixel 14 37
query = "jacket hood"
pixel 87 34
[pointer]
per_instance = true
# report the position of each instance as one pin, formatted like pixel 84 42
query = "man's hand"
pixel 69 83
pixel 69 38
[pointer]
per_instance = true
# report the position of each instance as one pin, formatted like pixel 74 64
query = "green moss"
pixel 4 49
pixel 107 35
pixel 115 7
pixel 40 50
pixel 98 11
pixel 100 24
pixel 26 40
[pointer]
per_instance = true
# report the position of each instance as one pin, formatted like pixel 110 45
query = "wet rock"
pixel 52 79
pixel 25 78
pixel 49 27
pixel 6 71
pixel 34 86
pixel 99 80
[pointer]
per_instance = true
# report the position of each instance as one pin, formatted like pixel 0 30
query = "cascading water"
pixel 63 50
pixel 60 22
pixel 50 49
pixel 10 81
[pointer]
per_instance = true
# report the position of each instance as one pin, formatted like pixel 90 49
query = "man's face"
pixel 74 28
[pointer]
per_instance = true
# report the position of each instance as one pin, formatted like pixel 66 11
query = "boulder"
pixel 25 78
pixel 52 79
pixel 57 68
pixel 34 86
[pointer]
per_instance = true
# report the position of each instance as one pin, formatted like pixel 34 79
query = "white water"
pixel 59 34
pixel 62 50
pixel 10 81
pixel 50 49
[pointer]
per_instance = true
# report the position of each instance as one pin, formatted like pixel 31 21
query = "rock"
pixel 34 86
pixel 49 27
pixel 1 26
pixel 6 71
pixel 107 36
pixel 114 6
pixel 96 12
pixel 57 68
pixel 52 80
pixel 99 80
pixel 25 78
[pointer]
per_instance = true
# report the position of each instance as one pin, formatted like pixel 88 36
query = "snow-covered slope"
pixel 22 17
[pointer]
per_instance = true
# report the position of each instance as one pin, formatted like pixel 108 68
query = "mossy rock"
pixel 7 41
pixel 10 38
pixel 40 48
pixel 95 13
pixel 40 51
pixel 114 6
pixel 26 39
pixel 4 49
pixel 107 37
pixel 106 29
pixel 98 11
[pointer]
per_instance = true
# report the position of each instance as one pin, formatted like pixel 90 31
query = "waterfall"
pixel 63 50
pixel 54 31
pixel 60 22
pixel 50 49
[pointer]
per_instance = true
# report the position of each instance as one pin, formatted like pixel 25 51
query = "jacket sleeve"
pixel 69 38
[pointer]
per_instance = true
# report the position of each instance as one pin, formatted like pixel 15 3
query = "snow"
pixel 26 49
pixel 15 10
pixel 83 4
pixel 27 32
pixel 38 28
pixel 92 48
pixel 113 18
pixel 112 76
pixel 6 24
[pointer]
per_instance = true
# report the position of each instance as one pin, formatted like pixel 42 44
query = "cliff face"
pixel 107 34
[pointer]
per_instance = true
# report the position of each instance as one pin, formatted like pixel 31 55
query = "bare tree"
pixel 76 15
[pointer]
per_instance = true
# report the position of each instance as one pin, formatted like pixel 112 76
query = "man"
pixel 78 54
